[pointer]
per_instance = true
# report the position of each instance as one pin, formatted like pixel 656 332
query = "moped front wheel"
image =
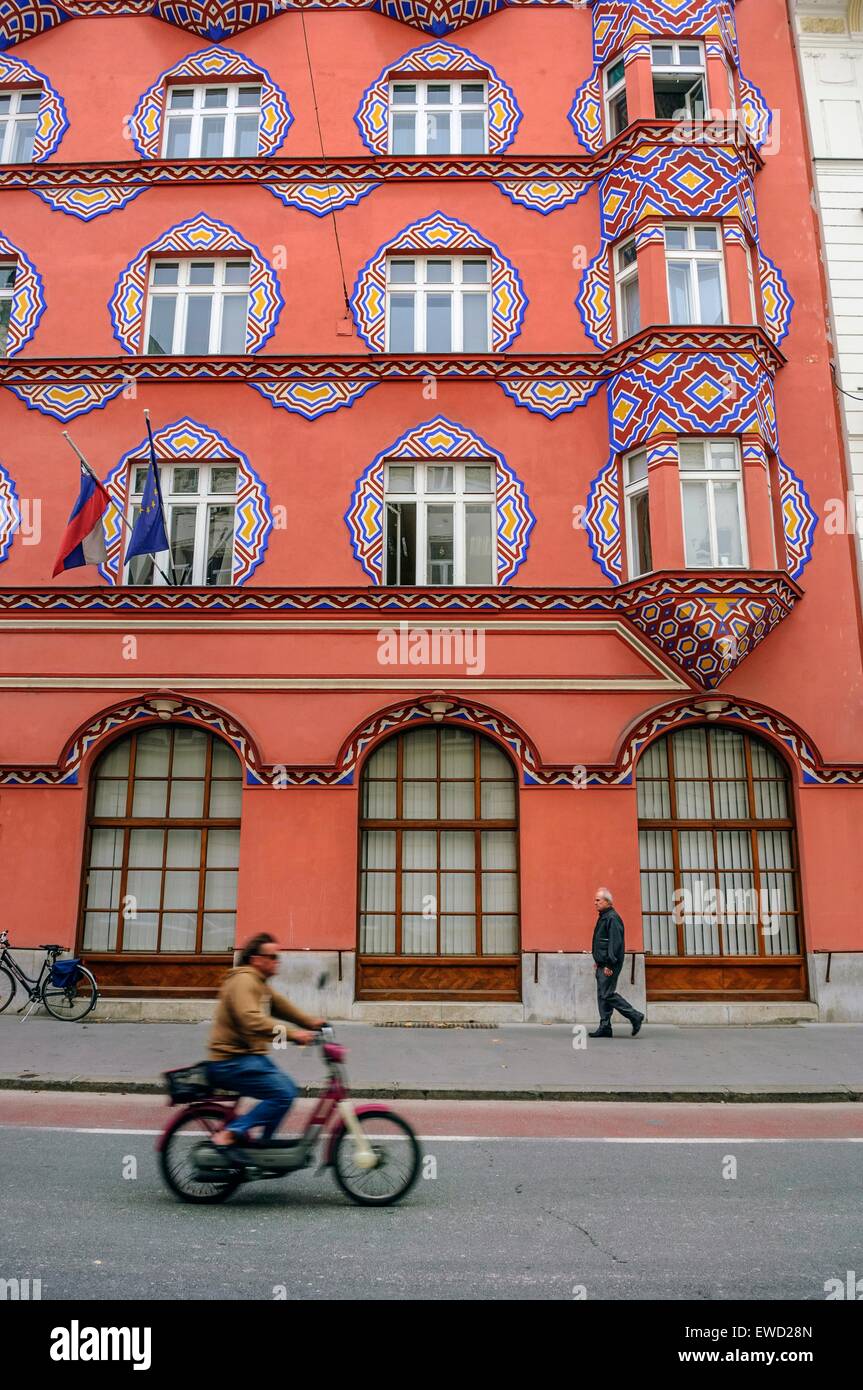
pixel 177 1158
pixel 397 1160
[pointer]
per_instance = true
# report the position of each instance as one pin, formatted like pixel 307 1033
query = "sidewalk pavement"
pixel 802 1062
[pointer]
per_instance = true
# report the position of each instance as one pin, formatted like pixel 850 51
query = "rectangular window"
pixel 7 286
pixel 440 524
pixel 438 118
pixel 626 280
pixel 19 119
pixel 211 122
pixel 616 112
pixel 635 493
pixel 679 81
pixel 713 512
pixel 198 307
pixel 200 507
pixel 436 305
pixel 696 273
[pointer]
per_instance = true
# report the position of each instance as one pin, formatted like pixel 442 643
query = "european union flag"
pixel 149 534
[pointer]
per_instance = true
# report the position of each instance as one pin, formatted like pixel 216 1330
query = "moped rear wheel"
pixel 177 1162
pixel 398 1155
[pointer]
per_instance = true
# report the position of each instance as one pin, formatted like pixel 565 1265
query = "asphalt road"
pixel 628 1209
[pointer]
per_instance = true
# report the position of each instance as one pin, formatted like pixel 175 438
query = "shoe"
pixel 636 1027
pixel 601 1033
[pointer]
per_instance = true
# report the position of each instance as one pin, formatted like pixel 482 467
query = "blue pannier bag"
pixel 65 973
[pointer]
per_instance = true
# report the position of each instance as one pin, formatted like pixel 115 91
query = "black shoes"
pixel 601 1033
pixel 636 1027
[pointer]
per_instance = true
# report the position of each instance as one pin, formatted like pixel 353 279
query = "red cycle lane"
pixel 467 1119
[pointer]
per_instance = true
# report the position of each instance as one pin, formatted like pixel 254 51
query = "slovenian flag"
pixel 83 541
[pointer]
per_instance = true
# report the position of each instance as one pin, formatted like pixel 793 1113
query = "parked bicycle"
pixel 66 987
pixel 374 1154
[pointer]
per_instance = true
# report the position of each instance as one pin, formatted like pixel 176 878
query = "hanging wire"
pixel 323 156
pixel 850 394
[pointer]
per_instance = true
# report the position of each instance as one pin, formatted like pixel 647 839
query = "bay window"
pixel 200 514
pixel 712 494
pixel 696 273
pixel 439 526
pixel 640 552
pixel 626 281
pixel 436 305
pixel 197 307
pixel 438 118
pixel 679 81
pixel 616 112
pixel 19 119
pixel 212 122
pixel 7 286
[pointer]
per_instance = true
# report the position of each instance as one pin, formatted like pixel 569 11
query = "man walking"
pixel 608 952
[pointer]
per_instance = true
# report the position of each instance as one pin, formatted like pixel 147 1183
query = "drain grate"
pixel 403 1024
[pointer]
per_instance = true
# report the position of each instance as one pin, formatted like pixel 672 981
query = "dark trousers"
pixel 608 999
pixel 256 1075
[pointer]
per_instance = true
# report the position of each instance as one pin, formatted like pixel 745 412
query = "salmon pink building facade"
pixel 485 350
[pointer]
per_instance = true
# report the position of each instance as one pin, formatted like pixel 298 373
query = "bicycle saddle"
pixel 53 947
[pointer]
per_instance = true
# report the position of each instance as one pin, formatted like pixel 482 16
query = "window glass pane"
pixel 400 478
pixel 179 930
pixel 616 73
pixel 220 545
pixel 223 479
pixel 115 763
pixel 439 323
pixel 181 889
pixel 439 272
pixel 493 762
pixel 187 800
pixel 477 478
pixel 438 132
pixel 404 92
pixel 439 477
pixel 619 114
pixel 438 94
pixel 419 848
pixel 377 934
pixel 472 93
pixel 237 273
pixel 680 304
pixel 184 847
pixel 474 272
pixel 215 98
pixel 676 238
pixel 456 753
pixel 184 480
pixel 631 307
pixel 5 314
pixel 729 540
pixel 383 761
pixel 404 133
pixel 110 798
pixel 691 453
pixel 160 338
pixel 152 753
pixel 179 142
pixel 190 752
pixel 636 467
pixel 7 276
pixel 457 892
pixel 225 800
pixel 420 753
pixel 478 544
pixel 182 537
pixel 419 936
pixel 457 801
pixel 379 800
pixel 706 238
pixel 723 454
pixel 225 761
pixel 401 316
pixel 457 849
pixel 165 273
pixel 25 136
pixel 246 137
pixel 689 55
pixel 497 800
pixel 639 520
pixel 199 308
pixel 420 801
pixel 212 137
pixel 475 309
pixel 696 524
pixel 234 310
pixel 402 272
pixel 663 55
pixel 106 848
pixel 201 272
pixel 710 292
pixel 181 99
pixel 146 848
pixel 771 800
pixel 473 132
pixel 249 96
pixel 220 890
pixel 439 559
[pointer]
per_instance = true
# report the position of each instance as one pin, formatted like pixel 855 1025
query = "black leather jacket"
pixel 608 947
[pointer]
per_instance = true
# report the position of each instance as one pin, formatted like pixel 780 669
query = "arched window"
pixel 163 843
pixel 719 869
pixel 438 893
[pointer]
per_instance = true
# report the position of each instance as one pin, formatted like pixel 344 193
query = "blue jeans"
pixel 257 1075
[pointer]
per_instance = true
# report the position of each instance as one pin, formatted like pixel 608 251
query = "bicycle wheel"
pixel 177 1160
pixel 398 1154
pixel 7 988
pixel 73 1004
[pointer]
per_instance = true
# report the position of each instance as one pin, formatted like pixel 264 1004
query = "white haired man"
pixel 608 953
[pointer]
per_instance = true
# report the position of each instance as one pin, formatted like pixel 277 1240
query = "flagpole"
pixel 119 510
pixel 173 579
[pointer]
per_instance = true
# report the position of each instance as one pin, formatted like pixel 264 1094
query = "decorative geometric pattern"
pixel 776 298
pixel 585 114
pixel 87 203
pixel 799 520
pixel 188 440
pixel 438 233
pixel 543 195
pixel 10 512
pixel 602 521
pixel 199 233
pixel 216 64
pixel 312 399
pixel 321 199
pixel 707 632
pixel 67 402
pixel 52 119
pixel 687 181
pixel 551 398
pixel 617 23
pixel 23 19
pixel 438 60
pixel 439 439
pixel 699 394
pixel 754 112
pixel 593 300
pixel 28 298
pixel 218 19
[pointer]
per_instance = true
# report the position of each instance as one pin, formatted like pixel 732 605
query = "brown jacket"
pixel 244 1015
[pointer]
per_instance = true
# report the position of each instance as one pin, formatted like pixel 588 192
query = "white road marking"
pixel 514 1138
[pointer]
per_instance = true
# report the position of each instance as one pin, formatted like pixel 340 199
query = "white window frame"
pixel 422 288
pixel 459 498
pixel 424 111
pixel 7 295
pixel 610 95
pixel 197 113
pixel 691 256
pixel 15 117
pixel 631 491
pixel 623 276
pixel 183 292
pixel 678 69
pixel 203 499
pixel 709 475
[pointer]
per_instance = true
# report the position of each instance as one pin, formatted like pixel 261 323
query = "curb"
pixel 729 1095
